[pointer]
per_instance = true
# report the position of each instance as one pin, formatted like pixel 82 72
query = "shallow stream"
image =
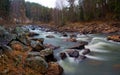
pixel 104 58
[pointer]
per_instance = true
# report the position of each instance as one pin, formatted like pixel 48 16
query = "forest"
pixel 76 37
pixel 73 11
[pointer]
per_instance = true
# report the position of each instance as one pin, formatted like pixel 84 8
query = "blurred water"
pixel 104 58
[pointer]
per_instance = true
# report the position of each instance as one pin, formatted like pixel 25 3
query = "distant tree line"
pixel 86 10
pixel 20 11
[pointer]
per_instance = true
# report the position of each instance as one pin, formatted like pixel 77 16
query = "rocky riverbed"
pixel 37 50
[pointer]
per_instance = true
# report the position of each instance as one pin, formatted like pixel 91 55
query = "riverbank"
pixel 86 27
pixel 19 51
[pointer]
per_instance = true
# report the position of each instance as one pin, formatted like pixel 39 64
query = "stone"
pixel 41 40
pixel 5 36
pixel 115 38
pixel 16 45
pixel 48 55
pixel 23 39
pixel 37 63
pixel 51 46
pixel 63 55
pixel 20 30
pixel 64 34
pixel 54 69
pixel 73 53
pixel 36 46
pixel 85 51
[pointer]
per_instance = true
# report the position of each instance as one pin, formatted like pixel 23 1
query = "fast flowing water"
pixel 104 58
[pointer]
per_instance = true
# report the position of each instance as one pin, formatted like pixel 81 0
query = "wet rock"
pixel 32 34
pixel 81 57
pixel 50 36
pixel 51 46
pixel 37 46
pixel 64 34
pixel 73 53
pixel 63 55
pixel 40 40
pixel 54 69
pixel 37 64
pixel 114 38
pixel 78 46
pixel 71 40
pixel 47 54
pixel 85 51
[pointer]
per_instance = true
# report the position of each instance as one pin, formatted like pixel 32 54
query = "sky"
pixel 48 3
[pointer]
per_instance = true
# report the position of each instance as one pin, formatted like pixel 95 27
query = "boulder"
pixel 54 69
pixel 23 39
pixel 16 45
pixel 48 55
pixel 85 51
pixel 51 46
pixel 5 36
pixel 63 55
pixel 114 38
pixel 21 35
pixel 36 46
pixel 73 53
pixel 37 63
pixel 20 30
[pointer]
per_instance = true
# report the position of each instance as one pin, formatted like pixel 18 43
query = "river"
pixel 104 58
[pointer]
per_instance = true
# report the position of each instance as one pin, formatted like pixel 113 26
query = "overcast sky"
pixel 48 3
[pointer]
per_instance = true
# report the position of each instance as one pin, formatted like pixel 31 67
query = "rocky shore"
pixel 20 54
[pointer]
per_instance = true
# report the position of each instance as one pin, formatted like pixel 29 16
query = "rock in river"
pixel 47 54
pixel 63 55
pixel 73 53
